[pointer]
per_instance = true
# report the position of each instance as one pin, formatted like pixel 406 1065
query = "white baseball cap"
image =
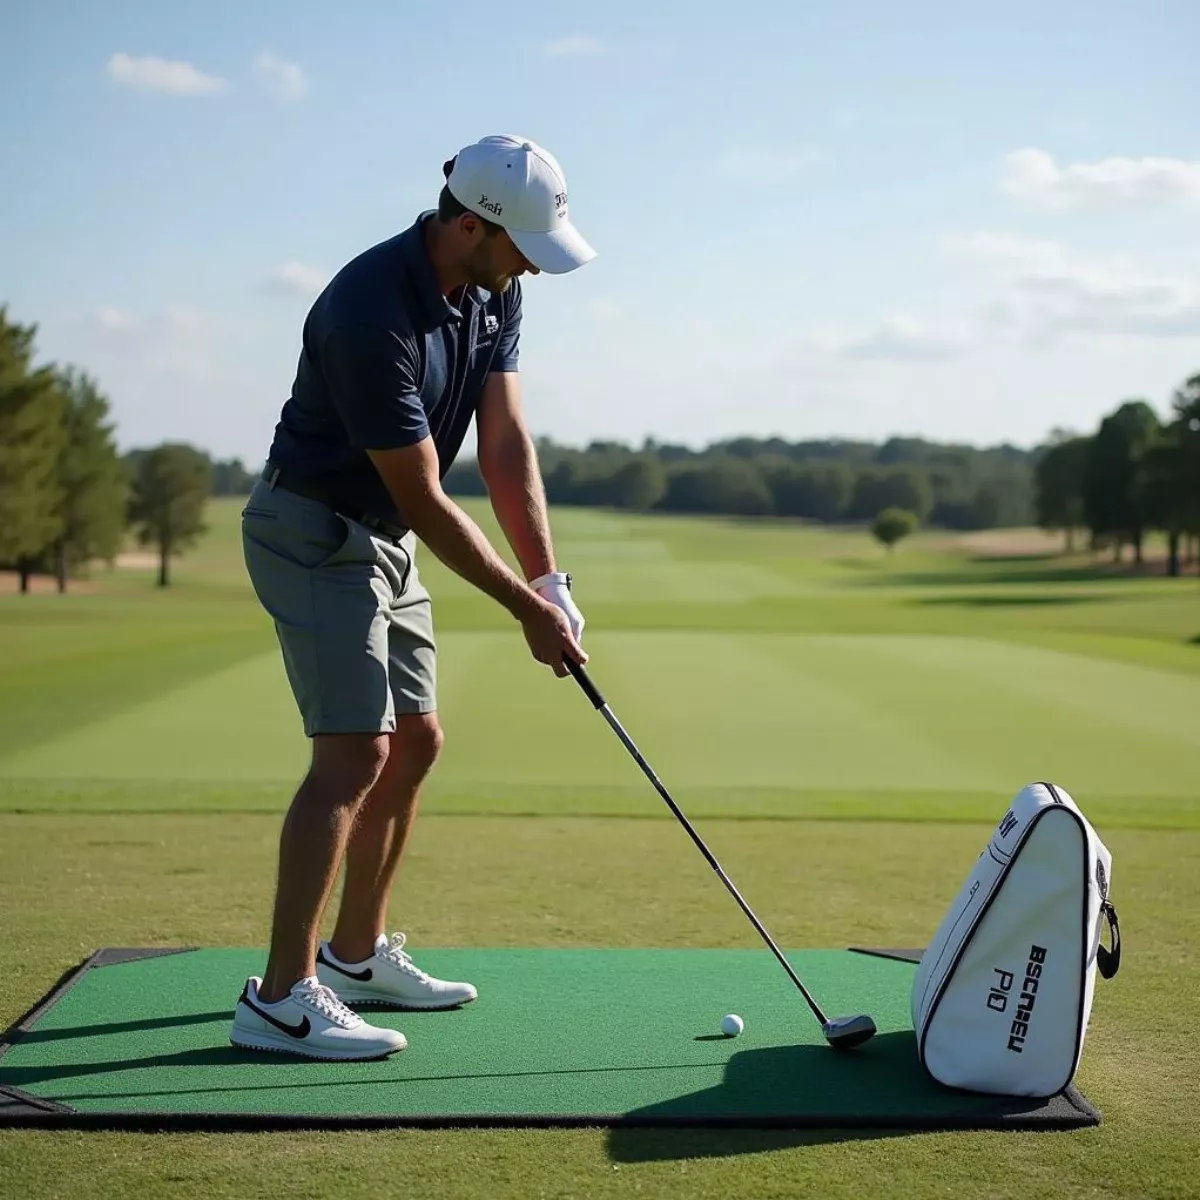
pixel 518 184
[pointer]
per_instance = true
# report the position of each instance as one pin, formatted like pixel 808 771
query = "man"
pixel 411 340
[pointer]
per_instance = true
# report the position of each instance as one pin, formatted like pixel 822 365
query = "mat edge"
pixel 244 1122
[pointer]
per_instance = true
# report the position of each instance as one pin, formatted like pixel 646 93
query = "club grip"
pixel 589 688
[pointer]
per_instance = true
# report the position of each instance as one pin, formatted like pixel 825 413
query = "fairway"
pixel 846 726
pixel 743 722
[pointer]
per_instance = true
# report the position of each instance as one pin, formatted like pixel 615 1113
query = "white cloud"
pixel 162 75
pixel 902 339
pixel 898 338
pixel 281 78
pixel 1049 291
pixel 577 46
pixel 114 320
pixel 1032 175
pixel 297 279
pixel 753 164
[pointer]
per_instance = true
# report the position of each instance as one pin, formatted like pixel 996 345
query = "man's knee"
pixel 417 742
pixel 349 763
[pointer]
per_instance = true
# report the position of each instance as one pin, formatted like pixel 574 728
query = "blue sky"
pixel 964 221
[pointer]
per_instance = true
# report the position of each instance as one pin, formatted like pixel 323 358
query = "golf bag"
pixel 1003 993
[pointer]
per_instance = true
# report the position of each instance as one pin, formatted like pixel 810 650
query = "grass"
pixel 844 726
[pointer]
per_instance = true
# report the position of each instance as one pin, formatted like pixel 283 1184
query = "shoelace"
pixel 395 954
pixel 325 1000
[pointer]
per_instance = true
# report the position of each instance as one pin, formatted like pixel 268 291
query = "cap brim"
pixel 557 252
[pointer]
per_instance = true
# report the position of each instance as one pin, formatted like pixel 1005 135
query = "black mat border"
pixel 1068 1110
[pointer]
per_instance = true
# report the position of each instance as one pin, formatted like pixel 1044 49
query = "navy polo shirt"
pixel 387 361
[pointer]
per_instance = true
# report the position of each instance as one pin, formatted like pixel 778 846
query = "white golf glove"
pixel 555 588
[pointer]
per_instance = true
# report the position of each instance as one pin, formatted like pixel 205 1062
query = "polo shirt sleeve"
pixel 373 378
pixel 507 350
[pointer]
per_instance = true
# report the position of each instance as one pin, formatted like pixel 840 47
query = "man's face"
pixel 494 261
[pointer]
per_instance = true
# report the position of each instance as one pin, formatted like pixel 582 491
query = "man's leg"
pixel 345 768
pixel 379 833
pixel 360 963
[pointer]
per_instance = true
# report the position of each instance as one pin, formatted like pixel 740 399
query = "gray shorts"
pixel 353 619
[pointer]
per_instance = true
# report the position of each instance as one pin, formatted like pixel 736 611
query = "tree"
pixel 877 488
pixel 893 525
pixel 1112 490
pixel 464 479
pixel 729 485
pixel 1185 432
pixel 1059 487
pixel 1163 496
pixel 171 487
pixel 31 440
pixel 816 491
pixel 232 479
pixel 640 484
pixel 93 481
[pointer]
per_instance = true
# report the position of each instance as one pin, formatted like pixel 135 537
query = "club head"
pixel 844 1032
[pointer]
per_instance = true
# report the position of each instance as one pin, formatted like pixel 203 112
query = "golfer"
pixel 410 342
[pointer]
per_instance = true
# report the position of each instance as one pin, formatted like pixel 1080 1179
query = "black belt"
pixel 303 486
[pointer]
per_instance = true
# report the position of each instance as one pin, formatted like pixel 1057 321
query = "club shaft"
pixel 712 862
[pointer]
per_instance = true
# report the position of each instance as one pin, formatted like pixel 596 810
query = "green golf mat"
pixel 139 1039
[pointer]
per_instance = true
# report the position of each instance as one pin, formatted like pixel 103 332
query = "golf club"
pixel 840 1032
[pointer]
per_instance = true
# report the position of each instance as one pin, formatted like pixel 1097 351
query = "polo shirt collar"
pixel 437 308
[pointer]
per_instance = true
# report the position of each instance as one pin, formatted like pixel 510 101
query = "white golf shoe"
pixel 311 1021
pixel 389 977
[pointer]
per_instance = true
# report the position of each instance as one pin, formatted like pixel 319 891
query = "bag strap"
pixel 1109 961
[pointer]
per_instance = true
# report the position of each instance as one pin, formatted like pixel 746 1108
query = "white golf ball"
pixel 732 1025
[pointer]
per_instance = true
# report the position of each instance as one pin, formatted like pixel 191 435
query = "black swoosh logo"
pixel 361 976
pixel 297 1031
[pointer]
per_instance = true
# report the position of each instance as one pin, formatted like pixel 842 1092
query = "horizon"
pixel 971 228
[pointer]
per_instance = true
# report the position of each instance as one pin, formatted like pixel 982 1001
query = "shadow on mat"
pixel 101 1029
pixel 802 1095
pixel 375 1071
pixel 204 1056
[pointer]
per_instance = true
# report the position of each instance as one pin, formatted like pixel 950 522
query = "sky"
pixel 969 222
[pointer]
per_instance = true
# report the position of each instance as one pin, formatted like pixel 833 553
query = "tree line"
pixel 1135 474
pixel 68 497
pixel 833 481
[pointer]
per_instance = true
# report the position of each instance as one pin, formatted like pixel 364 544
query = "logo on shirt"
pixel 491 324
pixel 493 206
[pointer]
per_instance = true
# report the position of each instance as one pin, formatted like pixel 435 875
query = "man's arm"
pixel 509 466
pixel 411 474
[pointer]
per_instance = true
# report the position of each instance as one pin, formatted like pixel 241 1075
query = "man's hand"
pixel 555 588
pixel 411 475
pixel 548 632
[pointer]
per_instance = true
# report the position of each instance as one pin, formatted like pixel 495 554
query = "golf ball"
pixel 732 1025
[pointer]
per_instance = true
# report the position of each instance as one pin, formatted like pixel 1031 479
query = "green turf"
pixel 154 821
pixel 606 1034
pixel 808 713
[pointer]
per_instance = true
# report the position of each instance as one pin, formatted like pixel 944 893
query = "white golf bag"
pixel 1003 993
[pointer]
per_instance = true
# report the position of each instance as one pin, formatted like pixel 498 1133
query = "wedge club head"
pixel 844 1032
